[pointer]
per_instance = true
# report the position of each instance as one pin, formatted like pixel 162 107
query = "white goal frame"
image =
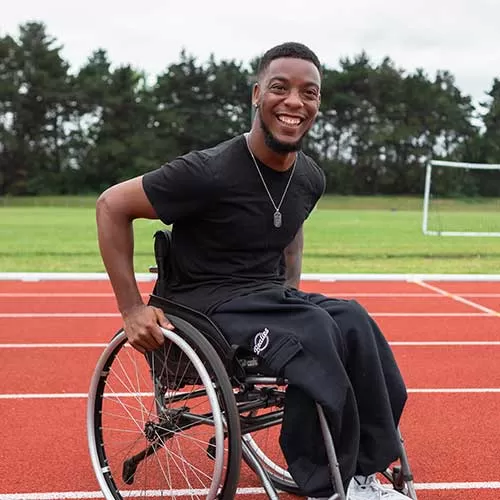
pixel 427 191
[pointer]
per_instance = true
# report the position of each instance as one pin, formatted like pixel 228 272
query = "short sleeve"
pixel 318 181
pixel 322 183
pixel 320 186
pixel 180 188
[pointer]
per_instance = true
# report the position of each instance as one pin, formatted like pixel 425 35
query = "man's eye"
pixel 279 88
pixel 311 94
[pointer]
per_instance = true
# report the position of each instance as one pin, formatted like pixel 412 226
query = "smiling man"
pixel 237 211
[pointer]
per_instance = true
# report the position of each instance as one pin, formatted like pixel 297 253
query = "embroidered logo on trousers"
pixel 261 341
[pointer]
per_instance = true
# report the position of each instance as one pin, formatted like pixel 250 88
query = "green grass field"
pixel 344 235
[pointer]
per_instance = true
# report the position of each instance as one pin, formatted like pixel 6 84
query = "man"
pixel 237 211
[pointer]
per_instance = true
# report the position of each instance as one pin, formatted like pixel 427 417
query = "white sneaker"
pixel 369 488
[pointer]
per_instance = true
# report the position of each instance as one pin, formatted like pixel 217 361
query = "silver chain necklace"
pixel 277 216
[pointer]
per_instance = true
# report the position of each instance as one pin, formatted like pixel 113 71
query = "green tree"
pixel 197 106
pixel 8 93
pixel 485 147
pixel 35 110
pixel 114 139
pixel 491 136
pixel 377 126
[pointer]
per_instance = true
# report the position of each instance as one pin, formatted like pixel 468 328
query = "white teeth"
pixel 288 120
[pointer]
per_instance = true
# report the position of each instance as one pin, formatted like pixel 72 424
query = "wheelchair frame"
pixel 236 378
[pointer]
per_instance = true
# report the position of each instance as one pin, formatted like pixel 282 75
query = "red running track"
pixel 445 336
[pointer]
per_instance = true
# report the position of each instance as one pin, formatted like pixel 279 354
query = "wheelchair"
pixel 178 422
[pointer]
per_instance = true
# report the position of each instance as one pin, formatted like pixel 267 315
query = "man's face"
pixel 288 98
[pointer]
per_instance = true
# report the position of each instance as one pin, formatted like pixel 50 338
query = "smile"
pixel 290 121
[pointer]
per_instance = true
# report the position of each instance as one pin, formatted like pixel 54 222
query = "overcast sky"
pixel 462 36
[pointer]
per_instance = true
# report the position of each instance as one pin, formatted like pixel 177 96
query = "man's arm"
pixel 293 259
pixel 116 210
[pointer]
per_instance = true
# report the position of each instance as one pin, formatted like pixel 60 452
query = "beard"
pixel 277 146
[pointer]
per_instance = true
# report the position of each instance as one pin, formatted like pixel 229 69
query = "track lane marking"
pixel 84 395
pixel 53 346
pixel 59 315
pixel 458 298
pixel 75 495
pixel 20 315
pixel 59 295
pixel 411 343
pixel 102 295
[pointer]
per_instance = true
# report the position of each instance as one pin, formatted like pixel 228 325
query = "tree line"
pixel 66 132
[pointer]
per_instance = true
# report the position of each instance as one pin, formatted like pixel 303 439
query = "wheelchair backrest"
pixel 162 249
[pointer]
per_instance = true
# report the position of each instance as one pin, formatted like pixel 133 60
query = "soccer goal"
pixel 461 199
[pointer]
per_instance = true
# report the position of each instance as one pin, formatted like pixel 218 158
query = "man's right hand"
pixel 142 327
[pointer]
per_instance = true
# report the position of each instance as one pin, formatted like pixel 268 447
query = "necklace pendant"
pixel 277 218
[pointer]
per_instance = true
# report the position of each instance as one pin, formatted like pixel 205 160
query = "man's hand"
pixel 142 327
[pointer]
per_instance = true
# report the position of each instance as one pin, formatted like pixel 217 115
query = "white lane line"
pixel 52 346
pixel 73 395
pixel 430 343
pixel 110 295
pixel 70 495
pixel 83 495
pixel 376 294
pixel 318 277
pixel 457 390
pixel 410 278
pixel 59 315
pixel 58 295
pixel 458 298
pixel 84 395
pixel 480 295
pixel 438 343
pixel 486 485
pixel 377 314
pixel 432 315
pixel 91 295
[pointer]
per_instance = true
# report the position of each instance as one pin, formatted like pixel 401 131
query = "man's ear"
pixel 256 95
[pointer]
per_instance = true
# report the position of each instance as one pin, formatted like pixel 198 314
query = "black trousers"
pixel 332 352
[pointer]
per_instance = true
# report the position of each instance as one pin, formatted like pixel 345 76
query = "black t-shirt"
pixel 224 240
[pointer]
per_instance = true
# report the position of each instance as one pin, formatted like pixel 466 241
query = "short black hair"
pixel 288 49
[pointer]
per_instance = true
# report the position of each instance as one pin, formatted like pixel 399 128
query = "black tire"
pixel 194 348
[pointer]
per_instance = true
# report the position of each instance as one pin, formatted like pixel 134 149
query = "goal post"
pixel 461 199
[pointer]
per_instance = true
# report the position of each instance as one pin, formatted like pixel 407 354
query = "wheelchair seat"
pixel 198 320
pixel 238 361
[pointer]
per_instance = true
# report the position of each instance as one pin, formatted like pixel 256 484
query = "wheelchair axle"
pixel 157 434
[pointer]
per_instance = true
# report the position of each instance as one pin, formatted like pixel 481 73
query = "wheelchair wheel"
pixel 264 444
pixel 165 424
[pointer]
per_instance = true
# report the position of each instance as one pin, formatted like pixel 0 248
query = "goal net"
pixel 461 199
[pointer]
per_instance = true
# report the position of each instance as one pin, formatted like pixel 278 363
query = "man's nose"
pixel 293 99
